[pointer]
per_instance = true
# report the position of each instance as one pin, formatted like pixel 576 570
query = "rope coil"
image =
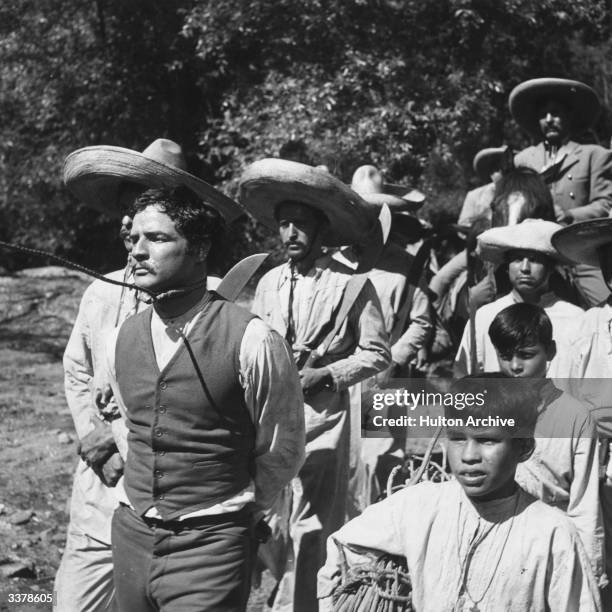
pixel 382 585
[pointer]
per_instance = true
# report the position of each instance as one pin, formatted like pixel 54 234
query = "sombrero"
pixel 369 184
pixel 488 160
pixel 579 242
pixel 268 182
pixel 529 235
pixel 580 99
pixel 94 175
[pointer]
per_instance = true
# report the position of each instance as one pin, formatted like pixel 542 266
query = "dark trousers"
pixel 201 566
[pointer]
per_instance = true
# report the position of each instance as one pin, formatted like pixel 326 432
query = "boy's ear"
pixel 526 448
pixel 551 351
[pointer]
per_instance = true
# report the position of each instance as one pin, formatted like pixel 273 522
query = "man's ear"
pixel 526 446
pixel 551 351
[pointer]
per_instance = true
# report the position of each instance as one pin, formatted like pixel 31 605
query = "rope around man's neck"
pixel 155 297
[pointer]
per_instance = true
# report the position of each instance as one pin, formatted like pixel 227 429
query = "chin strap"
pixel 155 297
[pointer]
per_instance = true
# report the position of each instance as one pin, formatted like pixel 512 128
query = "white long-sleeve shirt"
pixel 530 559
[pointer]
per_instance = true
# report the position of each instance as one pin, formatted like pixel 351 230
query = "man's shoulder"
pixel 271 277
pixel 545 521
pixel 100 294
pixel 568 411
pixel 523 156
pixel 492 308
pixel 562 306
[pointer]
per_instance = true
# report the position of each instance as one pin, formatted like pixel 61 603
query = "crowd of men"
pixel 215 441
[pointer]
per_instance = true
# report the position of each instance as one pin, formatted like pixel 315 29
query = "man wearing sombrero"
pixel 107 179
pixel 553 111
pixel 488 165
pixel 301 299
pixel 526 252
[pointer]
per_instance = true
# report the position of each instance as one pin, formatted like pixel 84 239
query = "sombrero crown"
pixel 529 235
pixel 486 161
pixel 267 183
pixel 95 174
pixel 369 184
pixel 580 99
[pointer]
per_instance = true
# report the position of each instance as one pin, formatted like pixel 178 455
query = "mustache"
pixel 142 266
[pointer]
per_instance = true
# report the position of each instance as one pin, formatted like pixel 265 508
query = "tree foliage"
pixel 415 87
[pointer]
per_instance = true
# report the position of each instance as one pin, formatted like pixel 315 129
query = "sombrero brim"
pixel 495 243
pixel 486 160
pixel 579 242
pixel 268 182
pixel 581 100
pixel 94 175
pixel 411 201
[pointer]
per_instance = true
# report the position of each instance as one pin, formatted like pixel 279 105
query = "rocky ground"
pixel 37 448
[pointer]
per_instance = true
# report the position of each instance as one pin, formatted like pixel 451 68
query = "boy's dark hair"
pixel 497 395
pixel 198 223
pixel 520 325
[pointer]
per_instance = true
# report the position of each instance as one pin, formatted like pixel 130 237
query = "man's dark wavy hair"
pixel 197 222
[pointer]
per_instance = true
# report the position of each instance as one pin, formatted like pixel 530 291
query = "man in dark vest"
pixel 213 405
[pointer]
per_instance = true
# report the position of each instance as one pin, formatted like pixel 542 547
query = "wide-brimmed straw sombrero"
pixel 267 183
pixel 369 184
pixel 580 99
pixel 579 242
pixel 529 235
pixel 488 160
pixel 95 174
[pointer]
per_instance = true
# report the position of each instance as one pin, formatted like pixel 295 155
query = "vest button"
pixel 162 496
pixel 162 410
pixel 569 176
pixel 163 385
pixel 158 473
pixel 572 195
pixel 159 432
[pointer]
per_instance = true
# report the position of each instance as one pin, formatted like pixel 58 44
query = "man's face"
pixel 528 271
pixel 298 226
pixel 605 262
pixel 483 460
pixel 529 361
pixel 553 118
pixel 162 258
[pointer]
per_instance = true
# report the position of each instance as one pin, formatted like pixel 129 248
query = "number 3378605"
pixel 30 598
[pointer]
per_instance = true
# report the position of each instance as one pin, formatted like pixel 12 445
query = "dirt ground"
pixel 37 449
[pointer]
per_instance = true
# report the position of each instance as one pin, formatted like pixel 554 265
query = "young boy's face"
pixel 529 361
pixel 484 460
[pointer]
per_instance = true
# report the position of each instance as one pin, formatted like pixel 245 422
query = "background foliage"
pixel 415 87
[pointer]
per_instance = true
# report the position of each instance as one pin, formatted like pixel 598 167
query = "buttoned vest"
pixel 191 438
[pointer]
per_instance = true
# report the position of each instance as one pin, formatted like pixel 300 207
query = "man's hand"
pixel 111 471
pixel 564 217
pixel 482 293
pixel 97 446
pixel 315 379
pixel 421 358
